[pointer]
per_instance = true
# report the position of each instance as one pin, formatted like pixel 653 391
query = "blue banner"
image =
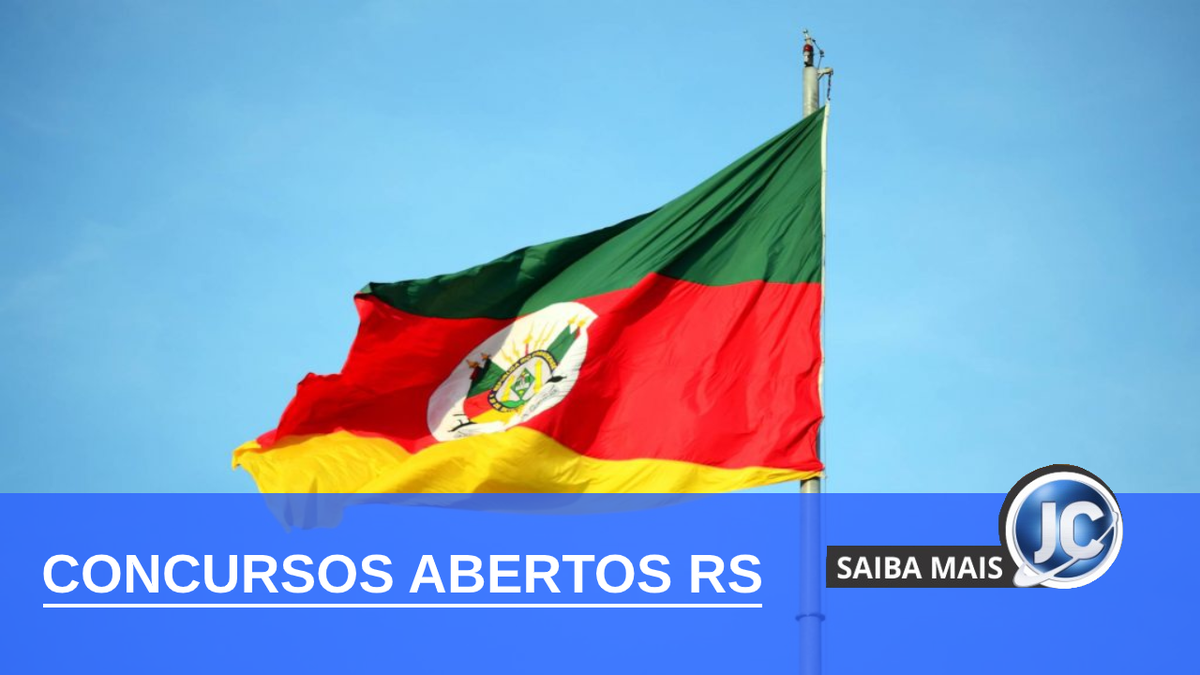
pixel 636 583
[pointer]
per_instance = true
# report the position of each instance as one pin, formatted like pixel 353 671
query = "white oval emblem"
pixel 524 369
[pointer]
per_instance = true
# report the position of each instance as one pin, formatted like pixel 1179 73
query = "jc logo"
pixel 1062 527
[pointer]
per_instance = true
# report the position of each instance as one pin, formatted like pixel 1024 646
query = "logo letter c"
pixel 1066 530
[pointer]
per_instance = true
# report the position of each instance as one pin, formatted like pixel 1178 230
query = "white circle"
pixel 1023 566
pixel 519 349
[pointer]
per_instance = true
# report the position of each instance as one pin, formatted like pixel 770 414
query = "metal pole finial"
pixel 813 74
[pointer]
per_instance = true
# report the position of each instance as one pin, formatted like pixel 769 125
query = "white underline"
pixel 414 605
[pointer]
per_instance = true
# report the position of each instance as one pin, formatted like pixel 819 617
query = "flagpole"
pixel 812 617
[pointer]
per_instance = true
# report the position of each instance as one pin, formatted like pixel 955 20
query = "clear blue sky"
pixel 192 192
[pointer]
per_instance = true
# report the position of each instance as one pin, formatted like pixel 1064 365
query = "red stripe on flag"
pixel 718 375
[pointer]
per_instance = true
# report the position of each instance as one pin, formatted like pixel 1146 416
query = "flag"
pixel 677 351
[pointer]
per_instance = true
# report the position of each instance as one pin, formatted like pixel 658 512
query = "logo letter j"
pixel 1049 532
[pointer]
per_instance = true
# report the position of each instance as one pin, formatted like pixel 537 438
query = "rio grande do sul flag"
pixel 678 351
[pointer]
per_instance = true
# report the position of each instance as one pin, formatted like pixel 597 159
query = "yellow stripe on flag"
pixel 516 460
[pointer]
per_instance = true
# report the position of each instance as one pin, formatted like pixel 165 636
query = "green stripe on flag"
pixel 758 219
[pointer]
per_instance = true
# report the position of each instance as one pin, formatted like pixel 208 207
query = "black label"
pixel 918 567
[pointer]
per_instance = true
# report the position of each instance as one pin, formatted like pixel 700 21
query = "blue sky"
pixel 192 192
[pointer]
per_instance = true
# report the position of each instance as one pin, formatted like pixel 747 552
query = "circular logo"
pixel 1062 527
pixel 523 370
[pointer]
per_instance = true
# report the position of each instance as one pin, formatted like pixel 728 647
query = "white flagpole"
pixel 812 101
pixel 811 615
